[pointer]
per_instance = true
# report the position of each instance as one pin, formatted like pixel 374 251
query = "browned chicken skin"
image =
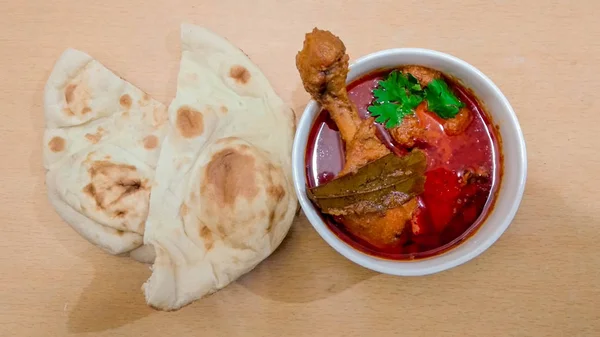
pixel 409 132
pixel 323 67
pixel 364 148
pixel 381 230
pixel 422 74
pixel 458 124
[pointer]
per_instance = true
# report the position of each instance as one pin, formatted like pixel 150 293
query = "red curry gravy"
pixel 448 211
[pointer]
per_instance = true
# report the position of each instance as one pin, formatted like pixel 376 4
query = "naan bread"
pixel 223 199
pixel 101 146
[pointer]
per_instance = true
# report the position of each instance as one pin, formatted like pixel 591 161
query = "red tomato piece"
pixel 442 190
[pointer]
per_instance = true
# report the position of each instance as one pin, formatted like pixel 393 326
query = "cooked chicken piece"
pixel 422 74
pixel 381 230
pixel 364 148
pixel 459 123
pixel 409 132
pixel 323 67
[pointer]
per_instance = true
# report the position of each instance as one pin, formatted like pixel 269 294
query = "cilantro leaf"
pixel 414 86
pixel 384 95
pixel 399 94
pixel 441 100
pixel 395 97
pixel 390 114
pixel 385 113
pixel 413 101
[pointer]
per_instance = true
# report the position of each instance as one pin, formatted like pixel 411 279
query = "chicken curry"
pixel 403 163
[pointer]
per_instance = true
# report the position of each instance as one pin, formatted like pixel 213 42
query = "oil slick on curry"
pixel 403 163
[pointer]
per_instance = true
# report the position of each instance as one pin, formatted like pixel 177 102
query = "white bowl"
pixel 512 181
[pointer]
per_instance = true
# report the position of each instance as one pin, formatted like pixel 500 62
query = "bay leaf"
pixel 384 183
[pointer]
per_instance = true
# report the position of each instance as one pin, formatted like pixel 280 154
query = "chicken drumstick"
pixel 323 67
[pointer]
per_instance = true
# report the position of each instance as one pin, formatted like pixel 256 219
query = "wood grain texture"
pixel 542 278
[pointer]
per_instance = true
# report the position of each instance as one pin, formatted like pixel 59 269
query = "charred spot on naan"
pixel 57 144
pixel 119 191
pixel 207 236
pixel 276 192
pixel 125 101
pixel 70 93
pixel 150 142
pixel 94 138
pixel 144 101
pixel 76 99
pixel 231 174
pixel 120 213
pixel 238 178
pixel 190 122
pixel 240 74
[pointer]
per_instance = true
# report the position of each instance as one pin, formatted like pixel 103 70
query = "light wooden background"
pixel 542 278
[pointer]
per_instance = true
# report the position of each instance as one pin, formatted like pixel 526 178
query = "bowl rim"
pixel 388 266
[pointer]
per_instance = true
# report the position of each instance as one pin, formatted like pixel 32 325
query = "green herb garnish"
pixel 441 100
pixel 395 97
pixel 398 95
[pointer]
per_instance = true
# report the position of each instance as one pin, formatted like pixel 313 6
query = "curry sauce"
pixel 462 176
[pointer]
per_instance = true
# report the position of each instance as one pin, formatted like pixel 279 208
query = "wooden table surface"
pixel 542 278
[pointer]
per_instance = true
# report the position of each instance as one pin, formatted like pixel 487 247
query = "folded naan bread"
pixel 223 198
pixel 101 146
